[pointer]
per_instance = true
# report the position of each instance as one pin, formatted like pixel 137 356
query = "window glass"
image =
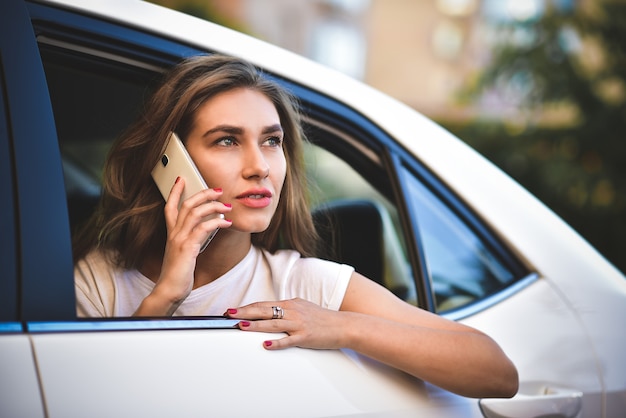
pixel 462 267
pixel 334 182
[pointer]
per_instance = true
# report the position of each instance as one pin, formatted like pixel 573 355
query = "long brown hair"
pixel 129 219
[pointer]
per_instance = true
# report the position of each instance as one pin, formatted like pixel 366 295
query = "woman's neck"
pixel 222 254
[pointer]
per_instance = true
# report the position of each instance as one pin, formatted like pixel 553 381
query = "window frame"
pixel 42 248
pixel 8 235
pixel 476 224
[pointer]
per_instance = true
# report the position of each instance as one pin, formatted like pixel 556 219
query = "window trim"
pixel 132 324
pixel 480 305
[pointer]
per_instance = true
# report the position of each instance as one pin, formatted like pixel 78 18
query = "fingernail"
pixel 244 323
pixel 217 189
pixel 231 311
pixel 177 178
pixel 267 343
pixel 228 205
pixel 228 220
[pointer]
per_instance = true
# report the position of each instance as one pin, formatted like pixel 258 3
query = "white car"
pixel 435 222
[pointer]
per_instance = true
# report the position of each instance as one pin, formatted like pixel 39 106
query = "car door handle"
pixel 535 399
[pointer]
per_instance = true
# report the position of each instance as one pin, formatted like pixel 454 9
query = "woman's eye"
pixel 274 141
pixel 226 141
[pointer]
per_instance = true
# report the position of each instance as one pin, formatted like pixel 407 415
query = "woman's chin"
pixel 250 227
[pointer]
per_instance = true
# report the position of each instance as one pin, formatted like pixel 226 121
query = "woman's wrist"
pixel 352 332
pixel 160 303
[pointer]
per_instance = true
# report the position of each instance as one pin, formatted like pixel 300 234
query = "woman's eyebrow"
pixel 230 129
pixel 272 128
pixel 236 130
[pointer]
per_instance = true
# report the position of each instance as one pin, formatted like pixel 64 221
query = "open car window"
pixel 94 99
pixel 96 96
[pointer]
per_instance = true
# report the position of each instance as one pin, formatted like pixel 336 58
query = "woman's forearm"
pixel 465 362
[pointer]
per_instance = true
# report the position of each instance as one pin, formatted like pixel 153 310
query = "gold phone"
pixel 176 162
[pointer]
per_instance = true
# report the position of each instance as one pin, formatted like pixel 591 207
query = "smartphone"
pixel 176 162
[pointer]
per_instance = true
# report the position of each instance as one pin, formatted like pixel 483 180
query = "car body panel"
pixel 19 395
pixel 120 373
pixel 564 351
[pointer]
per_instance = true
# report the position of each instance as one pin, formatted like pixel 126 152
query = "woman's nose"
pixel 256 165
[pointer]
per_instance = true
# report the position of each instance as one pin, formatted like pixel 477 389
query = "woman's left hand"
pixel 307 324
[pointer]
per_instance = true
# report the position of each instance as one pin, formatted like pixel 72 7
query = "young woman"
pixel 141 256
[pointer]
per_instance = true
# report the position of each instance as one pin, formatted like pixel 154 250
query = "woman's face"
pixel 237 144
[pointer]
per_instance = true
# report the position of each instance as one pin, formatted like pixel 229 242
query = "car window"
pixel 463 266
pixel 94 100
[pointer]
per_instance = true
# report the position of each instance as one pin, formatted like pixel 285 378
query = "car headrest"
pixel 361 233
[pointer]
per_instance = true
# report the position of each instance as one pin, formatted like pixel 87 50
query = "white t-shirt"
pixel 104 290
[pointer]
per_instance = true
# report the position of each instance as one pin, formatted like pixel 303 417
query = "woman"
pixel 141 256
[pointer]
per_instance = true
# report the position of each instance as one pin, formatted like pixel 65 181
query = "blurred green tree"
pixel 566 76
pixel 203 9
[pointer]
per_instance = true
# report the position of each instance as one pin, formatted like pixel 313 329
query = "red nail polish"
pixel 228 220
pixel 217 189
pixel 231 311
pixel 245 323
pixel 267 343
pixel 228 205
pixel 177 178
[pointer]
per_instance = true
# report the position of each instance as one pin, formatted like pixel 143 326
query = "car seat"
pixel 360 233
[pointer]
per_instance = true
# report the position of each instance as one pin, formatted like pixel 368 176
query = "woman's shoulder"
pixel 291 262
pixel 293 259
pixel 279 255
pixel 94 277
pixel 97 259
pixel 320 281
pixel 95 268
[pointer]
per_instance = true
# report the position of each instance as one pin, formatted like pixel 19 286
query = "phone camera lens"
pixel 164 160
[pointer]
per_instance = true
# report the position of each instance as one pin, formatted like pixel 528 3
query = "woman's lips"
pixel 255 198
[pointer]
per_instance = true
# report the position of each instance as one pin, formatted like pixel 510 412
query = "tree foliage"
pixel 570 68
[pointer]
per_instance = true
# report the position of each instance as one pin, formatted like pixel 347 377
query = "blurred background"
pixel 536 86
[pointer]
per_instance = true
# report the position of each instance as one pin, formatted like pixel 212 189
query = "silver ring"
pixel 278 312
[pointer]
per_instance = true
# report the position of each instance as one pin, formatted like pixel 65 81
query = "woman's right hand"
pixel 187 230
